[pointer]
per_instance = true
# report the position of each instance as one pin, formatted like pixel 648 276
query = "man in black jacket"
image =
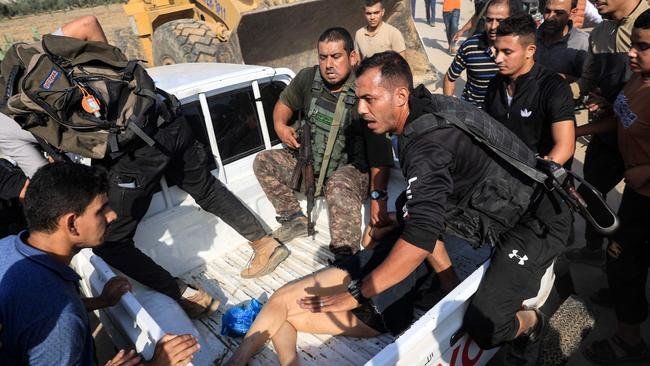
pixel 13 184
pixel 456 186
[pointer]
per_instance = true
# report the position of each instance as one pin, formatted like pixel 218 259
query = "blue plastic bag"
pixel 237 320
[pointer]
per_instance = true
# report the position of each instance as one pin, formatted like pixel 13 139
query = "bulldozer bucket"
pixel 286 35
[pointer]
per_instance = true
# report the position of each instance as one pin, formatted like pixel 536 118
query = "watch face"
pixel 374 195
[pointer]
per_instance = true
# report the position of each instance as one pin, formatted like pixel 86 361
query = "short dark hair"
pixel 336 34
pixel 643 21
pixel 515 7
pixel 61 188
pixel 574 4
pixel 392 66
pixel 521 25
pixel 373 2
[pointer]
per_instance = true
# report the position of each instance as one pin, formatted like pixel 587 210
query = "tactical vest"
pixel 321 115
pixel 495 204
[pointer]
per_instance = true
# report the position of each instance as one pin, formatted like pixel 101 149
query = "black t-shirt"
pixel 541 98
pixel 378 149
pixel 440 168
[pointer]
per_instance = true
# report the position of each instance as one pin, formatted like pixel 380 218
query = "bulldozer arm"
pixel 286 35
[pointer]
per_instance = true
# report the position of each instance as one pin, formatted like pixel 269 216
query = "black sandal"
pixel 615 351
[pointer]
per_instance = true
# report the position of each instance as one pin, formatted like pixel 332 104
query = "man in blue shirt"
pixel 44 320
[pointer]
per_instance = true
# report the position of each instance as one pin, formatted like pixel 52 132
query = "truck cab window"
pixel 270 94
pixel 236 126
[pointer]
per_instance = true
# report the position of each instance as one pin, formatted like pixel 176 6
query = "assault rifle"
pixel 305 169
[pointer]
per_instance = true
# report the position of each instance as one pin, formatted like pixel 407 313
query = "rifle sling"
pixel 339 115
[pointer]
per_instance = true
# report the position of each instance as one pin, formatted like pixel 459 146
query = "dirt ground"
pixel 112 18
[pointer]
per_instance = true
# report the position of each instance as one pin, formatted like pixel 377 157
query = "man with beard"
pixel 476 55
pixel 560 46
pixel 344 150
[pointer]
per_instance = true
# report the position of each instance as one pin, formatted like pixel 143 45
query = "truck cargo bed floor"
pixel 221 279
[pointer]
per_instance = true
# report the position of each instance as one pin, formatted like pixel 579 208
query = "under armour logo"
pixel 525 113
pixel 514 254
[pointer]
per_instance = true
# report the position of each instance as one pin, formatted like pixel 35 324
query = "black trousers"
pixel 603 169
pixel 134 178
pixel 518 264
pixel 628 257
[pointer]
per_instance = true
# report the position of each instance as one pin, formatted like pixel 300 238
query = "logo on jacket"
pixel 525 113
pixel 514 254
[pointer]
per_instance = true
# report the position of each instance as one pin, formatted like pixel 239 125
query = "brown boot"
pixel 268 253
pixel 199 305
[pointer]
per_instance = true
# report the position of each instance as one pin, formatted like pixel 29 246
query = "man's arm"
pixel 13 181
pixel 564 137
pixel 281 116
pixel 401 261
pixel 57 340
pixel 470 23
pixel 604 125
pixel 559 107
pixel 590 74
pixel 448 86
pixel 455 69
pixel 379 177
pixel 398 44
pixel 111 294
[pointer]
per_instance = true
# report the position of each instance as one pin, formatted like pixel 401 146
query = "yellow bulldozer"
pixel 278 33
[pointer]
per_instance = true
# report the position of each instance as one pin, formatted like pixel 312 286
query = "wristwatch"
pixel 354 288
pixel 379 195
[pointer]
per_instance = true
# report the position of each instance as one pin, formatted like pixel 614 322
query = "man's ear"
pixel 530 51
pixel 68 222
pixel 354 58
pixel 401 96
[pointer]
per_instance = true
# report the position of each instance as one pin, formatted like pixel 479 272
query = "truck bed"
pixel 221 279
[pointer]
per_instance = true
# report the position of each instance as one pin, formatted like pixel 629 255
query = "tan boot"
pixel 199 305
pixel 268 253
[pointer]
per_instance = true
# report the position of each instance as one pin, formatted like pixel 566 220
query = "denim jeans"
pixel 133 178
pixel 430 6
pixel 451 24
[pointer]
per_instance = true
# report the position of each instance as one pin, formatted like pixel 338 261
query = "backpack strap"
pixel 423 125
pixel 340 113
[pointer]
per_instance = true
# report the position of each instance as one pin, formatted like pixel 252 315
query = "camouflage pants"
pixel 345 191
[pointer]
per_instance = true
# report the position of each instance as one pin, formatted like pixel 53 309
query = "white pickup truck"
pixel 230 108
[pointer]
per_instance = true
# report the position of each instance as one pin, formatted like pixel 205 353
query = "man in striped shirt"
pixel 476 55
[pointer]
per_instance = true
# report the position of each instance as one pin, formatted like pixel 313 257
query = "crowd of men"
pixel 524 81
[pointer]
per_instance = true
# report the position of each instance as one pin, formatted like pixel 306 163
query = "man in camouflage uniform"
pixel 317 92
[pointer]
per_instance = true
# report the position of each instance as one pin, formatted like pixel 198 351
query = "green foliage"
pixel 9 40
pixel 28 7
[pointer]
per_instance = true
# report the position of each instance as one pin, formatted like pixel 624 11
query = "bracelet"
pixel 354 288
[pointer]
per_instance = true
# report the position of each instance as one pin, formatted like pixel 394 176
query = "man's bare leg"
pixel 283 308
pixel 86 28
